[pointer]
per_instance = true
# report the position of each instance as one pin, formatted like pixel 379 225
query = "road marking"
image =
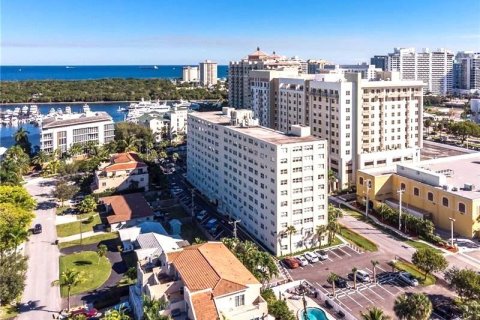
pixel 378 266
pixel 376 293
pixel 380 286
pixel 365 296
pixel 344 252
pixel 355 301
pixel 342 304
pixel 335 254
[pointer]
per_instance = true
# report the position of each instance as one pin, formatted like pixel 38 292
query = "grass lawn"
pixel 85 215
pixel 8 312
pixel 90 240
pixel 419 245
pixel 417 273
pixel 358 240
pixel 68 229
pixel 60 209
pixel 95 271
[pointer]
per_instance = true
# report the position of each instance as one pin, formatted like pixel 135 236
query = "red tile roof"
pixel 204 306
pixel 124 161
pixel 127 207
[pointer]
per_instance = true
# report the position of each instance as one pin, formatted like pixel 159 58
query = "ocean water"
pixel 7 132
pixel 20 73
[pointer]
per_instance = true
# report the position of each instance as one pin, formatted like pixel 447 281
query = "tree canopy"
pixel 17 195
pixel 466 283
pixel 429 260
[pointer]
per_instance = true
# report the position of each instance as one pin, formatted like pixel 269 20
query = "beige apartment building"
pixel 208 73
pixel 267 179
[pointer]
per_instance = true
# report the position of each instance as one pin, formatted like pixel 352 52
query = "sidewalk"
pixel 77 236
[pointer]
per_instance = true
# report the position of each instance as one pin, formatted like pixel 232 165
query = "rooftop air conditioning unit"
pixel 468 186
pixel 446 187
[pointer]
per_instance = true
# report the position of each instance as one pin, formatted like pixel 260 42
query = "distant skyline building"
pixel 266 179
pixel 467 71
pixel 434 68
pixel 380 62
pixel 313 66
pixel 367 71
pixel 238 74
pixel 190 74
pixel 208 73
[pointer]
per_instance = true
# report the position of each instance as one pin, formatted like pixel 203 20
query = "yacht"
pixel 33 109
pixel 16 111
pixel 52 111
pixel 25 109
pixel 68 109
pixel 86 108
pixel 59 111
pixel 182 104
pixel 136 110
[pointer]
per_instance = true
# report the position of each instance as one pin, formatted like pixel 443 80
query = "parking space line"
pixel 342 304
pixel 365 296
pixel 381 268
pixel 344 252
pixel 355 301
pixel 335 254
pixel 376 293
pixel 380 286
pixel 322 288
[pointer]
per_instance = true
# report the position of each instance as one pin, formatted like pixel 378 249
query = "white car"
pixel 311 257
pixel 363 276
pixel 301 260
pixel 322 254
pixel 408 278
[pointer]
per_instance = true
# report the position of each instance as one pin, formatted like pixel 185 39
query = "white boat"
pixel 16 111
pixel 25 110
pixel 33 109
pixel 59 111
pixel 155 67
pixel 182 104
pixel 68 109
pixel 52 111
pixel 86 108
pixel 120 109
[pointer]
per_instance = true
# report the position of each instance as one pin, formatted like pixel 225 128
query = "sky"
pixel 110 32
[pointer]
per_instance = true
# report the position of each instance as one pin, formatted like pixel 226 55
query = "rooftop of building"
pixel 220 270
pixel 160 242
pixel 124 161
pixel 127 207
pixel 458 170
pixel 75 119
pixel 255 131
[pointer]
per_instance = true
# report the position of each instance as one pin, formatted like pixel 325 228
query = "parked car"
pixel 201 215
pixel 37 228
pixel 301 260
pixel 408 278
pixel 322 254
pixel 341 282
pixel 210 223
pixel 362 276
pixel 292 263
pixel 311 257
pixel 85 312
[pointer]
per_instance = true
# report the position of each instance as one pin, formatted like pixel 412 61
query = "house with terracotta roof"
pixel 123 211
pixel 201 282
pixel 124 171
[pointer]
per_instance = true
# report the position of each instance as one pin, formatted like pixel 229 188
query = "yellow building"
pixel 438 189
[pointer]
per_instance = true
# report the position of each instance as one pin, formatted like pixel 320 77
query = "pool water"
pixel 312 314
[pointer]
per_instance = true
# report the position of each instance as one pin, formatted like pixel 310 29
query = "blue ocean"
pixel 21 73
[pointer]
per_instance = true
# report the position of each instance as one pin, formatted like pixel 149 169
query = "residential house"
pixel 202 282
pixel 125 171
pixel 127 210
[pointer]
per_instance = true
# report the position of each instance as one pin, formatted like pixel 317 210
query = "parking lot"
pixel 341 260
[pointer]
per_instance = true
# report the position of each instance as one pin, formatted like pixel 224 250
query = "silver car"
pixel 408 278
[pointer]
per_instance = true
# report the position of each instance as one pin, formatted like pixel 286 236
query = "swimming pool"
pixel 312 314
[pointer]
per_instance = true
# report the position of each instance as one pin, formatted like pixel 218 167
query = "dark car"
pixel 37 229
pixel 341 283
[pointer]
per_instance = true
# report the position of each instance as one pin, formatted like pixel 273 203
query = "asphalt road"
pixel 40 300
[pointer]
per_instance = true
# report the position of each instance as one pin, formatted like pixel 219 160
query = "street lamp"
pixel 400 192
pixel 451 229
pixel 368 185
pixel 234 222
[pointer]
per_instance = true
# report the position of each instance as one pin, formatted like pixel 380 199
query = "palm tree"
pixel 101 251
pixel 20 158
pixel 416 306
pixel 375 263
pixel 53 166
pixel 374 313
pixel 354 270
pixel 21 139
pixel 69 279
pixel 76 149
pixel 152 308
pixel 383 210
pixel 40 158
pixel 290 231
pixel 130 144
pixel 331 279
pixel 320 231
pixel 331 180
pixel 333 228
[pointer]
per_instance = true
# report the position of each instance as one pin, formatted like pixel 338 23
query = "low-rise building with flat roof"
pixel 437 189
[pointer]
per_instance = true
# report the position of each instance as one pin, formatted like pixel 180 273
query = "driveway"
pixel 40 300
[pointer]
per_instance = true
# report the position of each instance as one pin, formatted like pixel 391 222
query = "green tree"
pixel 465 282
pixel 429 260
pixel 116 315
pixel 14 221
pixel 21 139
pixel 87 205
pixel 69 279
pixel 374 313
pixel 175 157
pixel 101 251
pixel 279 309
pixel 64 191
pixel 320 231
pixel 375 263
pixel 332 178
pixel 40 159
pixel 290 231
pixel 76 149
pixel 415 306
pixel 153 307
pixel 428 123
pixel 332 277
pixel 12 277
pixel 470 310
pixel 333 226
pixel 53 166
pixel 18 196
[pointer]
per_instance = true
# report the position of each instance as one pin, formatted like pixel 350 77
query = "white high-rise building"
pixel 265 178
pixel 434 68
pixel 190 74
pixel 368 71
pixel 239 73
pixel 367 123
pixel 208 73
pixel 61 131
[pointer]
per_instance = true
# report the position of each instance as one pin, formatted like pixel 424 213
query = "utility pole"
pixel 400 192
pixel 451 230
pixel 368 182
pixel 234 222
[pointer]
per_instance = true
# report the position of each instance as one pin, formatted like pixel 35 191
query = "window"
pixel 430 196
pixel 283 171
pixel 461 207
pixel 402 186
pixel 416 192
pixel 239 300
pixel 360 180
pixel 445 202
